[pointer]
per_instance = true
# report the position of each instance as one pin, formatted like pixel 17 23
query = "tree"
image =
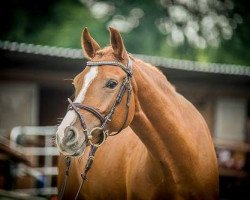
pixel 204 30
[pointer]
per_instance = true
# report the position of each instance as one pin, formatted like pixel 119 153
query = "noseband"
pixel 125 86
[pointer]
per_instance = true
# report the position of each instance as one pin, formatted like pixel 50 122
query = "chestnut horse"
pixel 164 151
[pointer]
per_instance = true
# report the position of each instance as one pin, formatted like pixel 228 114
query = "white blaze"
pixel 71 116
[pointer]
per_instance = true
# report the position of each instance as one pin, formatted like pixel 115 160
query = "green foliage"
pixel 60 23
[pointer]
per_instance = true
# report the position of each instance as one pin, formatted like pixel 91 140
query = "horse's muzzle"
pixel 69 144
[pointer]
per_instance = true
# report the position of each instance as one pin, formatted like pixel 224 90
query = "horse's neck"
pixel 157 117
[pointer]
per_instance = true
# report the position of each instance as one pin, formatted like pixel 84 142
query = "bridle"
pixel 125 86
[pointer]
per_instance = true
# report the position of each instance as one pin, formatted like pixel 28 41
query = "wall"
pixel 18 104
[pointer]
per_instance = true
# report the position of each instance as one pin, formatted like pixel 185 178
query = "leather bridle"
pixel 125 86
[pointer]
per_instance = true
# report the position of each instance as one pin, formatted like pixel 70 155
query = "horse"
pixel 164 149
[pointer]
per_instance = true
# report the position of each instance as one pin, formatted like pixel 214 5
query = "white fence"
pixel 36 142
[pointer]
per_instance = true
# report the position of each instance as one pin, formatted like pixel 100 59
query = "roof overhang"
pixel 51 65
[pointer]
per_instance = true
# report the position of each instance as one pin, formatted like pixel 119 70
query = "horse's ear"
pixel 117 44
pixel 89 45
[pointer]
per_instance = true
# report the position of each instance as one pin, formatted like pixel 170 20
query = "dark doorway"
pixel 53 105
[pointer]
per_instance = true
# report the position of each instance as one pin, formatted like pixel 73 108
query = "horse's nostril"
pixel 69 137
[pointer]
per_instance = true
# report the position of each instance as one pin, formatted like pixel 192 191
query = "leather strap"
pixel 127 69
pixel 90 109
pixel 88 165
pixel 68 162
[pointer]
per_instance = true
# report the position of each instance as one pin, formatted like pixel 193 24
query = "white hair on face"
pixel 71 116
pixel 89 77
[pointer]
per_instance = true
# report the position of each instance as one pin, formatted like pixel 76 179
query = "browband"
pixel 127 69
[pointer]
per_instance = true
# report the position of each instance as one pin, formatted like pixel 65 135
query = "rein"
pixel 125 86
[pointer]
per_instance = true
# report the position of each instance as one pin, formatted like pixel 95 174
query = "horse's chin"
pixel 71 153
pixel 73 150
pixel 79 152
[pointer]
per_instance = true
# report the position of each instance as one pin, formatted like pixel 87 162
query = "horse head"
pixel 104 99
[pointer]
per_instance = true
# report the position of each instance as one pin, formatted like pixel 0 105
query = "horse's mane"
pixel 155 74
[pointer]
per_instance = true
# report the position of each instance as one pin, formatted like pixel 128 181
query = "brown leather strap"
pixel 88 165
pixel 90 109
pixel 68 162
pixel 127 69
pixel 129 90
pixel 73 106
pixel 116 102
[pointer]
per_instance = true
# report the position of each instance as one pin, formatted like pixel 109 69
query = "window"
pixel 230 119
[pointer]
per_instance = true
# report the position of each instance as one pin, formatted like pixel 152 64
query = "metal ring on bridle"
pixel 90 136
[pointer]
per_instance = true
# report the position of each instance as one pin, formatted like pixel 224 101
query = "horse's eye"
pixel 111 84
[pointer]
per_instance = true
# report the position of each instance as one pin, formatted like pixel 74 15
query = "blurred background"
pixel 202 46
